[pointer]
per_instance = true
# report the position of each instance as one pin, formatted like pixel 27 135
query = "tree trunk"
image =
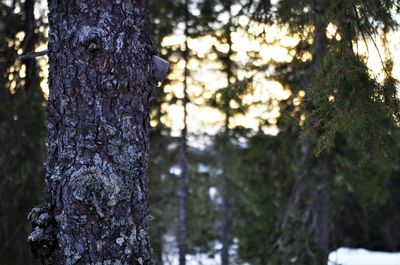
pixel 30 40
pixel 308 207
pixel 226 239
pixel 182 245
pixel 320 224
pixel 101 77
pixel 225 222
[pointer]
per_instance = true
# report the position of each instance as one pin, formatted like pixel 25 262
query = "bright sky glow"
pixel 203 119
pixel 276 46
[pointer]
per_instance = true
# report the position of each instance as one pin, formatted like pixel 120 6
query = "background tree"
pixel 298 75
pixel 22 128
pixel 177 18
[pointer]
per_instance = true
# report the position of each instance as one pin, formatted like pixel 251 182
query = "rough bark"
pixel 182 245
pixel 101 76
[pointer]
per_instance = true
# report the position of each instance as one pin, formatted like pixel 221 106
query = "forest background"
pixel 275 137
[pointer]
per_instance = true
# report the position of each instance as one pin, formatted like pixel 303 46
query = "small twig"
pixel 30 55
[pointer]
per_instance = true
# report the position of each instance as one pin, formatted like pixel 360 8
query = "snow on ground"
pixel 345 256
pixel 199 259
pixel 342 256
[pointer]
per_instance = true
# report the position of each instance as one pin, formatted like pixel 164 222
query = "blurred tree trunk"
pixel 157 246
pixel 29 43
pixel 320 224
pixel 101 77
pixel 182 245
pixel 225 221
pixel 30 40
pixel 308 209
pixel 32 80
pixel 226 239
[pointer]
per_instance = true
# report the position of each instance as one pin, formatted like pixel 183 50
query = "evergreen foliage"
pixel 347 100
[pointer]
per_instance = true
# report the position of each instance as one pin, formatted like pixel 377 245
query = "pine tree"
pixel 318 187
pixel 96 208
pixel 223 100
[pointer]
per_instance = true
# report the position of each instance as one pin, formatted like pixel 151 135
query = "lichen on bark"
pixel 101 78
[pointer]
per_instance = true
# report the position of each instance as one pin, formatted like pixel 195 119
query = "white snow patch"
pixel 346 256
pixel 342 256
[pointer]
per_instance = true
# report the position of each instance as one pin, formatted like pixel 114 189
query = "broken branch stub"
pixel 161 68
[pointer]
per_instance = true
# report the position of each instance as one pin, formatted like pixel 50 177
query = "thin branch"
pixel 30 55
pixel 360 30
